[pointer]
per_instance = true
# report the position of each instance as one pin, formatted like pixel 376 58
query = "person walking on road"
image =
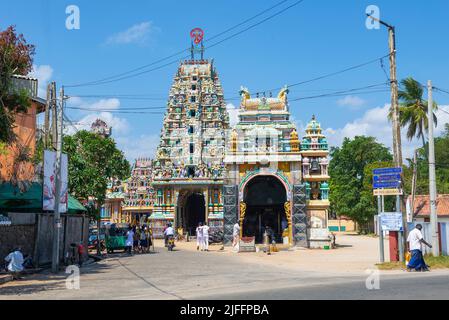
pixel 205 237
pixel 143 241
pixel 415 241
pixel 199 237
pixel 236 235
pixel 129 240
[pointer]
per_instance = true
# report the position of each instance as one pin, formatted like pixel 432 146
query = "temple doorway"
pixel 192 211
pixel 264 197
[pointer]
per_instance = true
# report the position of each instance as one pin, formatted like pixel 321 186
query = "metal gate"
pixel 299 216
pixel 230 212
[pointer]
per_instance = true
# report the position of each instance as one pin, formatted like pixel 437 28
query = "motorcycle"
pixel 170 243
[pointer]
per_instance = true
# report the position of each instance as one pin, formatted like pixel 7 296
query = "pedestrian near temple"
pixel 415 241
pixel 199 237
pixel 235 236
pixel 136 238
pixel 129 240
pixel 206 237
pixel 143 241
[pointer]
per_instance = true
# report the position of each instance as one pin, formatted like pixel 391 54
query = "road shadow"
pixel 46 281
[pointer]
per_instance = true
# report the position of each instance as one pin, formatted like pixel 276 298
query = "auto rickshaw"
pixel 116 237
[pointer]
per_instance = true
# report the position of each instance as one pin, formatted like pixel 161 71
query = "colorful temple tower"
pixel 139 193
pixel 315 151
pixel 189 169
pixel 266 184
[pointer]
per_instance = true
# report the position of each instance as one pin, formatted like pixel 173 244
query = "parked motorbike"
pixel 216 236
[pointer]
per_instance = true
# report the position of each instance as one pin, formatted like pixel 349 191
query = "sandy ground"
pixel 354 254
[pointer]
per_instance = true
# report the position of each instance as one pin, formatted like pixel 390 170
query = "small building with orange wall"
pixel 25 129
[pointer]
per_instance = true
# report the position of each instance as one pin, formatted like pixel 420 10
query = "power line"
pixel 245 21
pixel 128 74
pixel 255 25
pixel 124 111
pixel 324 76
pixel 112 109
pixel 441 90
pixel 344 92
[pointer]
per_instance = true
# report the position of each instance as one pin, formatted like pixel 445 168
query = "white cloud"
pixel 137 34
pixel 233 114
pixel 120 126
pixel 353 102
pixel 143 146
pixel 375 123
pixel 43 73
pixel 109 104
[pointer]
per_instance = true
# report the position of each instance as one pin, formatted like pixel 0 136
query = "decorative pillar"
pixel 242 216
pixel 288 214
pixel 206 206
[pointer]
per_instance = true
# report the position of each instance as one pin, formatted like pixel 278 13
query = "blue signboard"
pixel 387 178
pixel 382 171
pixel 387 185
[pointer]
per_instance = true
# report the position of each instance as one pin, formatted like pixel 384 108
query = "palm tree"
pixel 413 109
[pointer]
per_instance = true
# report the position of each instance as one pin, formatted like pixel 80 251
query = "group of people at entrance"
pixel 202 237
pixel 138 239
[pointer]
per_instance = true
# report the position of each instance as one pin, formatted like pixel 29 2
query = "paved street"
pixel 188 274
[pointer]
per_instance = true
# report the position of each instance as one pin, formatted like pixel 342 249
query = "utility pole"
pixel 47 117
pixel 54 131
pixel 414 178
pixel 57 215
pixel 397 144
pixel 432 179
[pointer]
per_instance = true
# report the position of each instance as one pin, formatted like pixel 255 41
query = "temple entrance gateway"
pixel 191 212
pixel 264 198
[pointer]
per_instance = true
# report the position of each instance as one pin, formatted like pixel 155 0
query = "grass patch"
pixel 441 262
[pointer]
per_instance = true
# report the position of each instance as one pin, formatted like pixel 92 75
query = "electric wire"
pixel 130 73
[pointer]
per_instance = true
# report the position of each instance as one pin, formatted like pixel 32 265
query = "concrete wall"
pixel 17 236
pixel 342 225
pixel 74 229
pixel 37 238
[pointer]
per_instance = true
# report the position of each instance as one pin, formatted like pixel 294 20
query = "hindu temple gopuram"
pixel 189 169
pixel 274 179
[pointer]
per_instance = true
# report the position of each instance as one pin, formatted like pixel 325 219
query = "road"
pixel 188 274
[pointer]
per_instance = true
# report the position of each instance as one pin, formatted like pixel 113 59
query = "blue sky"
pixel 311 39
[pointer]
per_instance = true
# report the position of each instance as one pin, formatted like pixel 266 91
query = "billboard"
pixel 49 186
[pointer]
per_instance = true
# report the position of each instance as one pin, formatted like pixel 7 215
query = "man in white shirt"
pixel 129 240
pixel 415 241
pixel 205 246
pixel 15 259
pixel 169 231
pixel 235 234
pixel 199 237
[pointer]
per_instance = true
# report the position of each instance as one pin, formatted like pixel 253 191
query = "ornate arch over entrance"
pixel 265 203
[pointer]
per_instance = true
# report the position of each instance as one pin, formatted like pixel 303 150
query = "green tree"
pixel 92 161
pixel 441 170
pixel 349 192
pixel 16 58
pixel 413 109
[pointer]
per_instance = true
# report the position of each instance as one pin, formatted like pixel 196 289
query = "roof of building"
pixel 11 199
pixel 422 205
